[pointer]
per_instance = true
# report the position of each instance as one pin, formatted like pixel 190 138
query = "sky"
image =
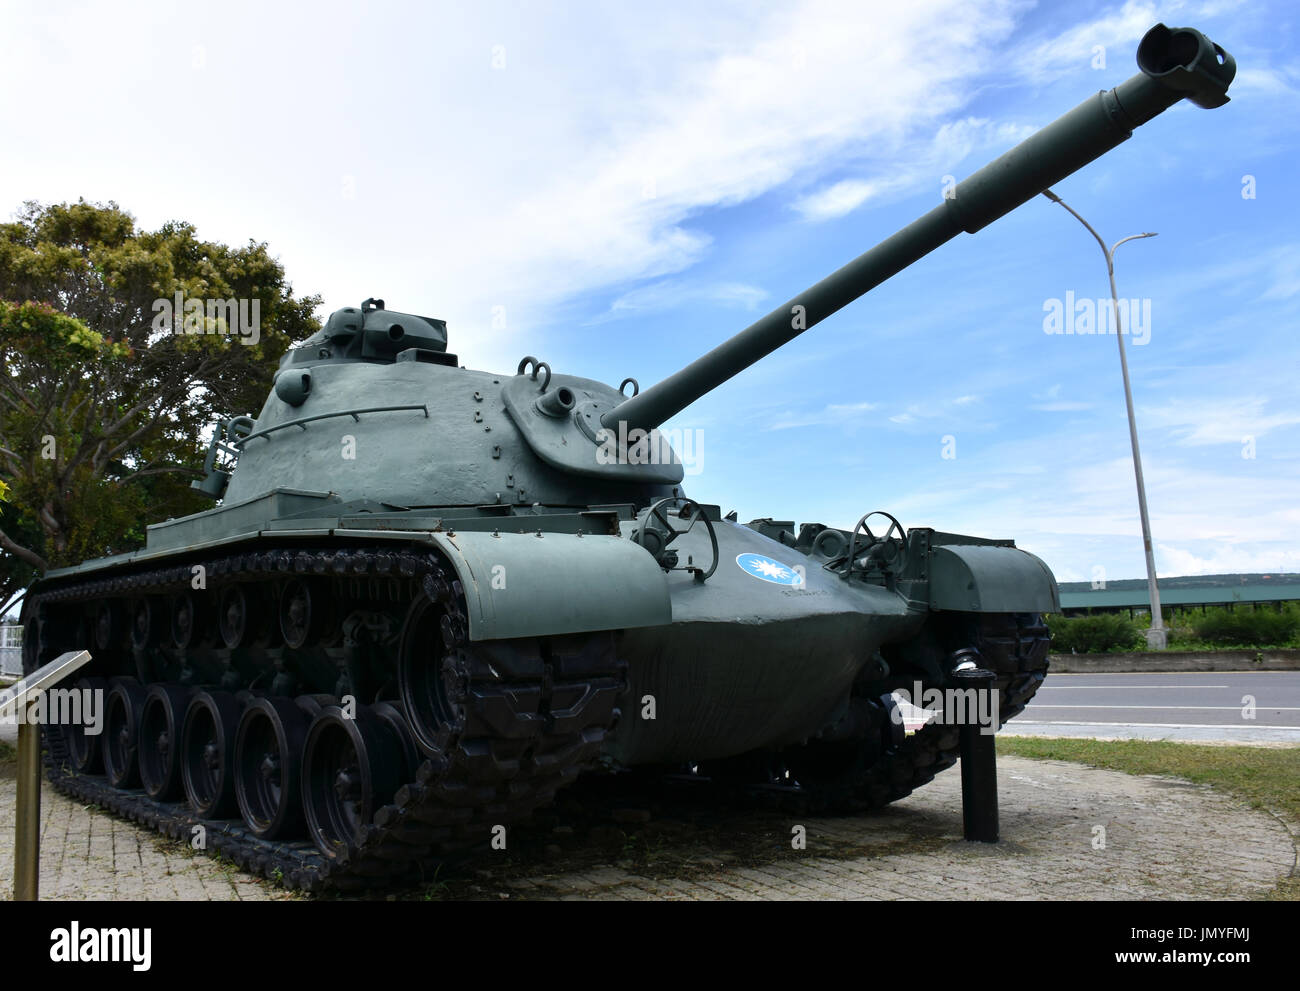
pixel 617 188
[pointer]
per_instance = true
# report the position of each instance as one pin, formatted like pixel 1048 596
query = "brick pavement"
pixel 1163 840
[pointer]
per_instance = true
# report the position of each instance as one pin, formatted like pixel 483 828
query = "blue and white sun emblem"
pixel 768 570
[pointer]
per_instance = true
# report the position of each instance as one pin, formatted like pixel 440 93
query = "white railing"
pixel 11 651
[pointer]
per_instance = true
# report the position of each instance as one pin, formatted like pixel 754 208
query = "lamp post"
pixel 1156 636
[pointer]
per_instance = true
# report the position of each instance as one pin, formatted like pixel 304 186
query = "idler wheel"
pixel 268 766
pixel 208 753
pixel 422 681
pixel 161 725
pixel 351 768
pixel 121 732
pixel 85 749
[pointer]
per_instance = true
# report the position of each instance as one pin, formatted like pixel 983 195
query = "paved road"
pixel 1214 706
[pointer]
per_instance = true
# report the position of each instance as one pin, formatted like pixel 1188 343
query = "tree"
pixel 107 387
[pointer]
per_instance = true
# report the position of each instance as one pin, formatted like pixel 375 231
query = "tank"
pixel 432 597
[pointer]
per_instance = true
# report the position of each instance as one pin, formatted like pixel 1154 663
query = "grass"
pixel 8 753
pixel 1264 778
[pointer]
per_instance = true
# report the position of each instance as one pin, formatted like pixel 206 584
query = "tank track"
pixel 1014 646
pixel 530 715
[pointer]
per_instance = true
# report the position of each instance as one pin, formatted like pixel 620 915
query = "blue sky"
pixel 617 189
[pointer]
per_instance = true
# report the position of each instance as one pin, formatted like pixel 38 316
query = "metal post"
pixel 20 700
pixel 27 829
pixel 979 768
pixel 1157 638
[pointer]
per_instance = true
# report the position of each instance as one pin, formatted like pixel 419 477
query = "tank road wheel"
pixel 190 616
pixel 427 680
pixel 121 732
pixel 84 749
pixel 351 767
pixel 300 613
pixel 268 763
pixel 234 616
pixel 107 627
pixel 161 724
pixel 208 753
pixel 391 716
pixel 149 622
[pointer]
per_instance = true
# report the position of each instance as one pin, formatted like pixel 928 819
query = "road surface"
pixel 1226 707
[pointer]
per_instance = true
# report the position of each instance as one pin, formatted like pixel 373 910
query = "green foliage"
pixel 1094 634
pixel 1244 626
pixel 102 404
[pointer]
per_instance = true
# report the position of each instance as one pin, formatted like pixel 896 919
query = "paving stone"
pixel 1163 841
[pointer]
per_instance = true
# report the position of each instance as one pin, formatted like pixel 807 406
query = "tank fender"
pixel 533 585
pixel 978 578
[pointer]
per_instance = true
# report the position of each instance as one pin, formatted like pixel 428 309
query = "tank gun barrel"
pixel 1175 63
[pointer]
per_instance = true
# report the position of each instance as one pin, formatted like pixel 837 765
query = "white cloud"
pixel 912 168
pixel 1227 559
pixel 1062 406
pixel 1268 81
pixel 450 188
pixel 1217 421
pixel 838 199
pixel 837 414
pixel 672 293
pixel 1115 31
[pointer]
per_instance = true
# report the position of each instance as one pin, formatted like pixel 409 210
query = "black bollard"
pixel 979 770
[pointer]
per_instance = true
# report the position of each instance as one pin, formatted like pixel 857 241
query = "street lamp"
pixel 1156 637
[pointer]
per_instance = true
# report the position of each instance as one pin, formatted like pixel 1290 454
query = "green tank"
pixel 431 597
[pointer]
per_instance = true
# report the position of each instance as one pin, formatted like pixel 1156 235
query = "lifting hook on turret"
pixel 538 366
